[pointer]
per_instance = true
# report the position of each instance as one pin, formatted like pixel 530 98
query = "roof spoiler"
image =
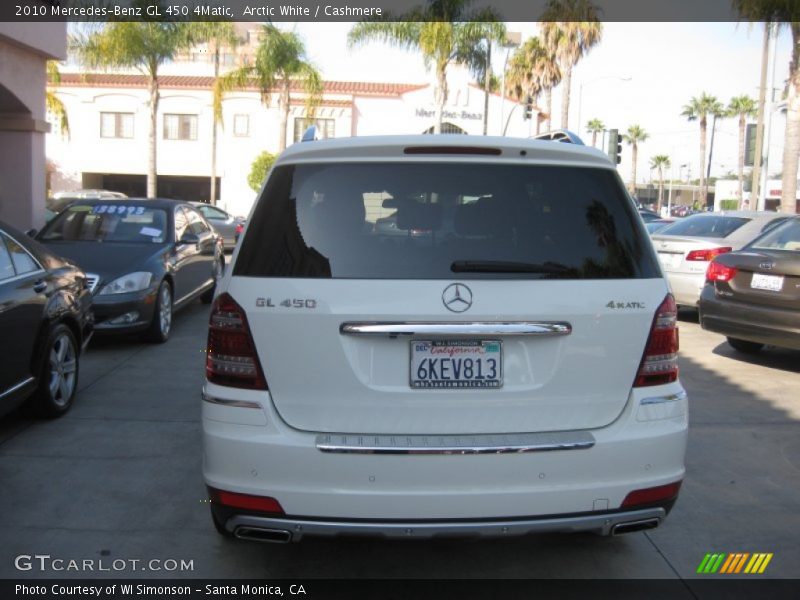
pixel 560 135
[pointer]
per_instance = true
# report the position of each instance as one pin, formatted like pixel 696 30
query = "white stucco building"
pixel 109 123
pixel 25 49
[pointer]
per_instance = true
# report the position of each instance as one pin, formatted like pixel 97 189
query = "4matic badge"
pixel 619 305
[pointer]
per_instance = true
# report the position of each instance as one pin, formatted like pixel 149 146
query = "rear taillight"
pixel 660 361
pixel 231 357
pixel 239 228
pixel 707 254
pixel 720 272
pixel 652 495
pixel 263 504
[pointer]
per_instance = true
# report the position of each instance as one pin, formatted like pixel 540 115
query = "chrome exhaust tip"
pixel 262 534
pixel 631 526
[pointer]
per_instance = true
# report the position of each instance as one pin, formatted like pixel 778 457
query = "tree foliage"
pixel 259 169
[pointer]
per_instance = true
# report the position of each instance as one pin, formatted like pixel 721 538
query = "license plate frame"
pixel 670 260
pixel 765 282
pixel 474 349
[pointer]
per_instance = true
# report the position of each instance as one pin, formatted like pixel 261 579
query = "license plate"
pixel 456 364
pixel 773 283
pixel 670 260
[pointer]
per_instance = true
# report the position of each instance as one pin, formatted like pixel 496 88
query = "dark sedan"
pixel 45 320
pixel 144 259
pixel 753 296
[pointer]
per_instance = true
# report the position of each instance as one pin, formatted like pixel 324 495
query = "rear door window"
pixel 443 220
pixel 713 226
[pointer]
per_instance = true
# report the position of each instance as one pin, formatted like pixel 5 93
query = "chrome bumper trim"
pixel 234 403
pixel 454 444
pixel 664 399
pixel 602 523
pixel 474 328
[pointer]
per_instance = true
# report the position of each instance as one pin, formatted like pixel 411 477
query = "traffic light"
pixel 528 108
pixel 614 149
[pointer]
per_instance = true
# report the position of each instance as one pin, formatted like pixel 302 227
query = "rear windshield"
pixel 108 223
pixel 712 226
pixel 785 236
pixel 433 220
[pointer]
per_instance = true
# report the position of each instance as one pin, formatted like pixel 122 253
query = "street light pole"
pixel 513 40
pixel 580 95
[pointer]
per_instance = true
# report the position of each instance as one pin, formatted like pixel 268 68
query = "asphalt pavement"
pixel 119 478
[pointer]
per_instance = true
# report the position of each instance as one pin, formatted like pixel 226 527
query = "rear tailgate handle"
pixel 445 328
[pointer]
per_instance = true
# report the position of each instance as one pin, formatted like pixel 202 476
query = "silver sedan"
pixel 223 223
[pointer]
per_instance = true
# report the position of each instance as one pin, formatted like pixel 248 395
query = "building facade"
pixel 109 123
pixel 24 52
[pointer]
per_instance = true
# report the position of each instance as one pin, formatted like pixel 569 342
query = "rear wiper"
pixel 503 266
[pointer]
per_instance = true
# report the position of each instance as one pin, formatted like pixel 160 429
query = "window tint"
pixel 784 237
pixel 108 223
pixel 713 226
pixel 196 223
pixel 23 262
pixel 428 220
pixel 6 267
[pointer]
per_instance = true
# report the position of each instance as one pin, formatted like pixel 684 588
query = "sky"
pixel 667 64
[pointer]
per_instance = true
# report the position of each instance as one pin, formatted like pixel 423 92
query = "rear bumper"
pixel 686 287
pixel 251 451
pixel 751 322
pixel 293 530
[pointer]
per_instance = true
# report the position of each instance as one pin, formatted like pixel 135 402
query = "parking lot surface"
pixel 119 478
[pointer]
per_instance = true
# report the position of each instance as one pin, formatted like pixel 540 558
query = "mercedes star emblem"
pixel 457 297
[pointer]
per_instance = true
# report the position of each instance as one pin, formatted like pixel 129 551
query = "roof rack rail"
pixel 560 135
pixel 311 134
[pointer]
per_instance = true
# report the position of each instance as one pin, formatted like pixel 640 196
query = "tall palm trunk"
pixel 213 195
pixel 660 189
pixel 740 164
pixel 566 82
pixel 634 160
pixel 791 147
pixel 548 102
pixel 703 128
pixel 594 139
pixel 151 139
pixel 284 111
pixel 440 96
pixel 486 85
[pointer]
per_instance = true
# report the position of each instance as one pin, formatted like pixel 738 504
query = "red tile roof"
pixel 358 88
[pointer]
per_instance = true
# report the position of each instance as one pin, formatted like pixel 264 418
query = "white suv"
pixel 436 335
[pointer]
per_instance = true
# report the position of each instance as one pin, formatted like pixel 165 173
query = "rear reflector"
pixel 707 254
pixel 652 495
pixel 720 272
pixel 245 501
pixel 660 361
pixel 231 357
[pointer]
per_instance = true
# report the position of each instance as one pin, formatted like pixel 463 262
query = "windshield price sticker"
pixel 456 364
pixel 105 209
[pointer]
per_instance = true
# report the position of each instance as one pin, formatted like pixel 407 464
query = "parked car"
pixel 681 211
pixel 648 215
pixel 657 225
pixel 61 200
pixel 512 370
pixel 144 259
pixel 687 246
pixel 753 296
pixel 45 320
pixel 223 223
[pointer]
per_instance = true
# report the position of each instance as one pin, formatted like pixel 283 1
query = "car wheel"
pixel 219 271
pixel 161 324
pixel 744 345
pixel 58 378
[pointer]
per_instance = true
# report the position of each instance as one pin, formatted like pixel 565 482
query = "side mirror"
pixel 188 239
pixel 32 232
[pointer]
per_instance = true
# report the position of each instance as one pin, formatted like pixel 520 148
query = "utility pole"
pixel 762 197
pixel 710 156
pixel 759 156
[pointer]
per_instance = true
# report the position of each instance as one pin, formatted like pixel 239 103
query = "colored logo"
pixel 737 562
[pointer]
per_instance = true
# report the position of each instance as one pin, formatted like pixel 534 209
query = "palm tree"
pixel 280 61
pixel 533 70
pixel 144 46
pixel 594 127
pixel 660 162
pixel 700 108
pixel 218 35
pixel 634 135
pixel 53 103
pixel 444 31
pixel 742 107
pixel 784 13
pixel 570 29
